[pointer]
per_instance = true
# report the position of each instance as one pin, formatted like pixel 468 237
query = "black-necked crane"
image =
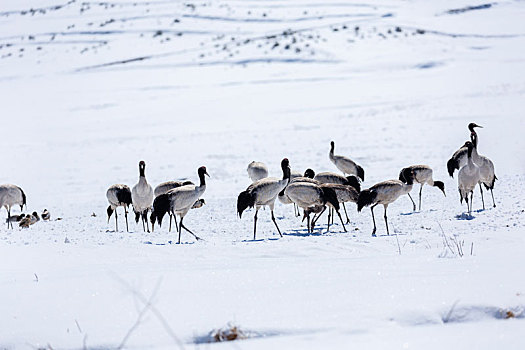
pixel 308 177
pixel 142 197
pixel 329 177
pixel 11 195
pixel 459 158
pixel 345 194
pixel 257 171
pixel 169 185
pixel 345 164
pixel 422 174
pixel 468 178
pixel 179 201
pixel 486 171
pixel 118 196
pixel 164 188
pixel 264 192
pixel 310 197
pixel 384 192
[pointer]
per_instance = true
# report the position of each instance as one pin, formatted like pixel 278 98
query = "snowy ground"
pixel 88 89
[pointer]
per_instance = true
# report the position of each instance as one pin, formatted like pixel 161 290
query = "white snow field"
pixel 88 89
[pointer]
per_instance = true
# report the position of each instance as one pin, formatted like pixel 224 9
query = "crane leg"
pixel 317 218
pixel 328 225
pixel 373 219
pixel 420 190
pixel 413 203
pixel 341 219
pixel 347 219
pixel 386 223
pixel 180 230
pixel 471 195
pixel 142 219
pixel 308 222
pixel 126 215
pixel 481 191
pixel 146 220
pixel 170 224
pixel 255 223
pixel 184 227
pixel 9 218
pixel 273 219
pixel 116 221
pixel 493 203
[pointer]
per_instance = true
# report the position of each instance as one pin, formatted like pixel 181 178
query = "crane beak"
pixel 206 173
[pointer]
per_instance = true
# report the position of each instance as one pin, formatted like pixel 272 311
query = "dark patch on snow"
pixel 428 65
pixel 469 8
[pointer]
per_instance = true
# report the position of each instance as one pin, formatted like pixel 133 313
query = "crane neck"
pixel 202 179
pixel 474 138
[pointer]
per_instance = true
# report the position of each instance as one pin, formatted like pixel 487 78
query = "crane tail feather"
pixel 360 172
pixel 452 165
pixel 330 197
pixel 365 198
pixel 245 200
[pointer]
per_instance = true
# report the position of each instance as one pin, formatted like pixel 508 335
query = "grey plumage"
pixel 468 178
pixel 306 177
pixel 345 164
pixel 421 174
pixel 179 201
pixel 169 185
pixel 263 192
pixel 11 195
pixel 309 196
pixel 257 171
pixel 118 195
pixel 142 197
pixel 384 192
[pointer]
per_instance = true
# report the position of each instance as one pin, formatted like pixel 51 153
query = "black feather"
pixel 109 211
pixel 406 176
pixel 491 185
pixel 330 197
pixel 360 172
pixel 124 195
pixel 354 182
pixel 366 197
pixel 452 165
pixel 161 205
pixel 137 217
pixel 246 199
pixel 23 199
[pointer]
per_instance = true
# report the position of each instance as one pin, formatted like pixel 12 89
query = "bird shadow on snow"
pixel 167 243
pixel 465 216
pixel 259 240
pixel 416 212
pixel 318 231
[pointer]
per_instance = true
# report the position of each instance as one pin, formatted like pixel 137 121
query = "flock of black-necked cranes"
pixel 314 193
